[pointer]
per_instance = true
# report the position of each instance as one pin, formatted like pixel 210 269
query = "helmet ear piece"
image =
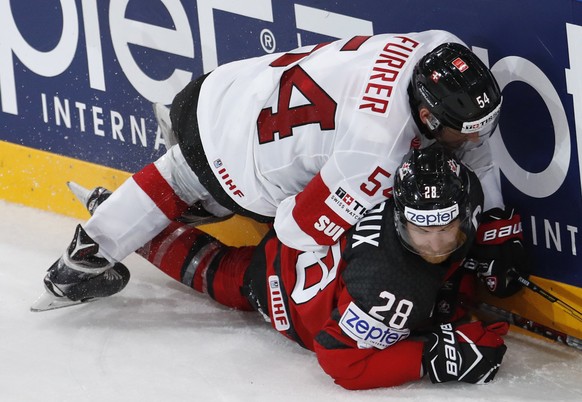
pixel 432 122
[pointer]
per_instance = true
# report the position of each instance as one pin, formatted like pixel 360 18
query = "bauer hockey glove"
pixel 470 352
pixel 498 252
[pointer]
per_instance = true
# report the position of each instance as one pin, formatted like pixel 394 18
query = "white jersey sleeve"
pixel 480 160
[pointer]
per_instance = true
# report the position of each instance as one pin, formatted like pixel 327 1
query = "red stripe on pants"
pixel 159 190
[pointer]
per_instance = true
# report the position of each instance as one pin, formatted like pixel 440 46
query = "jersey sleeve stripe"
pixel 315 217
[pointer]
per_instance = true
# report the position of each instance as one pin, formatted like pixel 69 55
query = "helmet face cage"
pixel 431 190
pixel 458 90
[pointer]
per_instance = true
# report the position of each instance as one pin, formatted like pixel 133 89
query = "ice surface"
pixel 160 341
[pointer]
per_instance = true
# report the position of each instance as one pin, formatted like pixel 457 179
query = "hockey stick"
pixel 547 295
pixel 531 326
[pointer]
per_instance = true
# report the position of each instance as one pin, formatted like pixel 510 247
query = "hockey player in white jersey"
pixel 308 140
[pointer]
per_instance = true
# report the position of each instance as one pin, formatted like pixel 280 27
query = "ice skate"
pixel 81 275
pixel 162 114
pixel 91 199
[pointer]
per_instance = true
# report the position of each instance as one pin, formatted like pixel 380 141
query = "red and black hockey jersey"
pixel 357 304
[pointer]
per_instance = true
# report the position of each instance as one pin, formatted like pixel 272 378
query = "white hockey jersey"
pixel 313 137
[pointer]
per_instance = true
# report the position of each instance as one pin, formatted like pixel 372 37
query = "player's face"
pixel 435 243
pixel 454 139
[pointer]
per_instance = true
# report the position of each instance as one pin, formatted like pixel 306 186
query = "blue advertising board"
pixel 77 78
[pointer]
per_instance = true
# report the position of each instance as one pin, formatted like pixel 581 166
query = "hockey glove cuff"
pixel 469 353
pixel 498 252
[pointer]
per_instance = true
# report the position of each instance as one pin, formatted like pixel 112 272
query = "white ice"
pixel 160 341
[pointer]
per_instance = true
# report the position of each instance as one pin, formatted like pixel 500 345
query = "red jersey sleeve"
pixel 307 222
pixel 354 368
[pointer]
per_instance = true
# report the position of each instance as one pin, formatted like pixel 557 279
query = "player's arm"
pixel 355 367
pixel 481 162
pixel 307 222
pixel 348 185
pixel 499 251
pixel 470 352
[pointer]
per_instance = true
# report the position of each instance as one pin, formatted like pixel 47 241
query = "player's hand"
pixel 498 253
pixel 469 352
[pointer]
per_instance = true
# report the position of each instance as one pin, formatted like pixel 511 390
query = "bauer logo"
pixel 435 217
pixel 368 331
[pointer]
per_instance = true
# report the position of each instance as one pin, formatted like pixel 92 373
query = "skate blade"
pixel 48 301
pixel 80 192
pixel 162 115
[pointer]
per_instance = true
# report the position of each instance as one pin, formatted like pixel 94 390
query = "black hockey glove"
pixel 468 352
pixel 498 252
pixel 457 292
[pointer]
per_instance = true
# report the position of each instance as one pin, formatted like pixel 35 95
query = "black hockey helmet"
pixel 458 90
pixel 431 189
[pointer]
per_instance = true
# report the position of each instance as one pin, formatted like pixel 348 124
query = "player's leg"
pixel 207 210
pixel 128 218
pixel 200 261
pixel 162 114
pixel 82 274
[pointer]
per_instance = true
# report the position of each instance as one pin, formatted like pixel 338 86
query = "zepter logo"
pixel 436 217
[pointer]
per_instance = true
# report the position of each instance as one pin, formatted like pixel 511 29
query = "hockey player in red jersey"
pixel 308 140
pixel 365 305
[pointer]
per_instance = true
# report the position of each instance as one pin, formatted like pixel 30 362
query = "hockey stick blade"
pixel 48 301
pixel 529 325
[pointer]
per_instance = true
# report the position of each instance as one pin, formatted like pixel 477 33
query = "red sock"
pixel 226 277
pixel 200 261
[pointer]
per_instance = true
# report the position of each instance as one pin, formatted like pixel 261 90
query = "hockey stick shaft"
pixel 531 326
pixel 548 296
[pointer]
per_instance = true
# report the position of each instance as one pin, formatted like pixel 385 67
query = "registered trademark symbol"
pixel 268 41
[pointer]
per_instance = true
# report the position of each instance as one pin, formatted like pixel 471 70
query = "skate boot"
pixel 162 114
pixel 81 275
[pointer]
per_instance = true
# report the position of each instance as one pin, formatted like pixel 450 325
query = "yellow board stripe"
pixel 38 179
pixel 533 306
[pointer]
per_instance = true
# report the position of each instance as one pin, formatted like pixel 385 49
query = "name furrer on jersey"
pixel 385 73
